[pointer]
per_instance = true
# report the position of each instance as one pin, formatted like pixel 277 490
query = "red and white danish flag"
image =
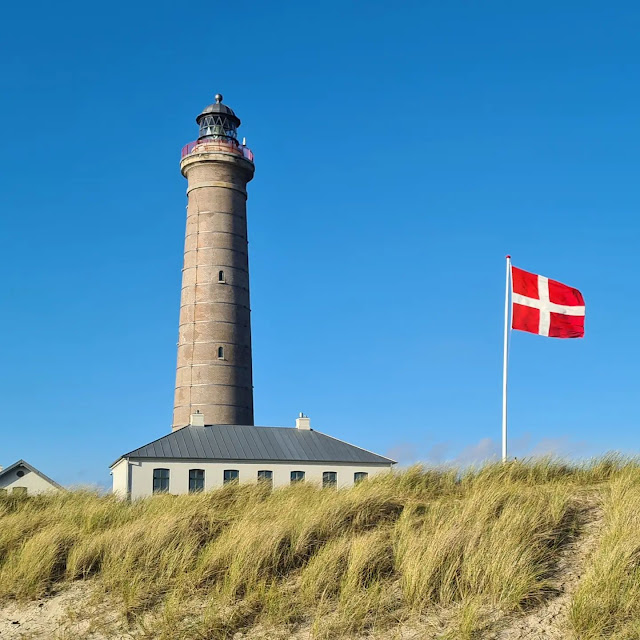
pixel 545 307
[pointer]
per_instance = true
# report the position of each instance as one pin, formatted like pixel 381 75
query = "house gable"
pixel 21 477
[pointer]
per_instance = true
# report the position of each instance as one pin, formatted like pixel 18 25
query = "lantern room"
pixel 218 122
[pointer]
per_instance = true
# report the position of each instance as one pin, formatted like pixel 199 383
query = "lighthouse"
pixel 214 382
pixel 214 440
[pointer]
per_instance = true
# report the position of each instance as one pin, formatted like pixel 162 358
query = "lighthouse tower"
pixel 214 370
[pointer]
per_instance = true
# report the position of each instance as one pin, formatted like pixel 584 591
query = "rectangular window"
pixel 160 480
pixel 231 475
pixel 329 479
pixel 359 476
pixel 196 480
pixel 297 476
pixel 265 476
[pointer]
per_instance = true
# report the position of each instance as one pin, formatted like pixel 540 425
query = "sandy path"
pixel 550 620
pixel 52 618
pixel 34 619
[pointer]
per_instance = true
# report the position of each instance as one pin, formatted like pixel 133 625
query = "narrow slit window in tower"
pixel 221 276
pixel 220 353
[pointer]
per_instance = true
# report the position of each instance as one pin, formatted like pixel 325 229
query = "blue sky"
pixel 401 151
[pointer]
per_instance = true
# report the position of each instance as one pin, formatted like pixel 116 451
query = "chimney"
pixel 303 422
pixel 196 419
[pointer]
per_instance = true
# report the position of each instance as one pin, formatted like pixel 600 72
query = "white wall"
pixel 32 481
pixel 141 471
pixel 120 478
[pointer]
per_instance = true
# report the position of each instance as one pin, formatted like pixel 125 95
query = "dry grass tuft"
pixel 607 602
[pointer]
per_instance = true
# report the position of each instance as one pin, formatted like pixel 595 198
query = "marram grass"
pixel 607 601
pixel 420 546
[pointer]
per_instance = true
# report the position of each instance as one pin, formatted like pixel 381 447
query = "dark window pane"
pixel 231 475
pixel 329 479
pixel 265 476
pixel 359 476
pixel 196 480
pixel 160 480
pixel 297 476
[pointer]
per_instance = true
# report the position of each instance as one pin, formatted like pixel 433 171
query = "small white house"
pixel 22 478
pixel 198 458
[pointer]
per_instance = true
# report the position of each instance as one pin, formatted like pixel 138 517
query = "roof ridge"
pixel 248 426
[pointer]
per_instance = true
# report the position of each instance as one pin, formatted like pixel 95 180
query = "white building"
pixel 22 478
pixel 200 458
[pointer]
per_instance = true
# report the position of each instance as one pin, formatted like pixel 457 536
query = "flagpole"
pixel 505 362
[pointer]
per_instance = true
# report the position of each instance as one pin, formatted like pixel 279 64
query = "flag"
pixel 545 307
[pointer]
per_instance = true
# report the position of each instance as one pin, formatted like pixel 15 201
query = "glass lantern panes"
pixel 217 127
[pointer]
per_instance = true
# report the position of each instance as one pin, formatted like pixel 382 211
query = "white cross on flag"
pixel 545 307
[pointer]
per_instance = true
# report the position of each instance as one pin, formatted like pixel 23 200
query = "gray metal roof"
pixel 26 465
pixel 241 442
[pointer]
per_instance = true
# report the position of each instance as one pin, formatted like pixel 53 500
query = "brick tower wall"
pixel 215 314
